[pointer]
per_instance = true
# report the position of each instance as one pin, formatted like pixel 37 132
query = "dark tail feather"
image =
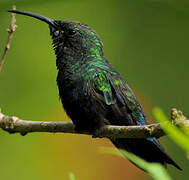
pixel 151 151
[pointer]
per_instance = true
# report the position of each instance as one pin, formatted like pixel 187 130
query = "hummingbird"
pixel 92 92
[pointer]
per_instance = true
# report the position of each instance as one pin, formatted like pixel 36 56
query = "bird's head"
pixel 71 39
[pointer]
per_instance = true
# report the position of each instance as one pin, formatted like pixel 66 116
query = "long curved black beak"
pixel 49 21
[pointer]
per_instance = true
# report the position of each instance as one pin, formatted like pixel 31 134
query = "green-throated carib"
pixel 92 92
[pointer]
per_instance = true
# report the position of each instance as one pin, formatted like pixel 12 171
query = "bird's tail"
pixel 150 150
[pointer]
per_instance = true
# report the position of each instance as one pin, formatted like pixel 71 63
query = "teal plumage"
pixel 92 92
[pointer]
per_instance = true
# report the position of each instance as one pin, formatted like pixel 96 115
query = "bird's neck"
pixel 75 59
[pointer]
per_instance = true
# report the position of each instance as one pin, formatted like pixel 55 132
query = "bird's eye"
pixel 56 33
pixel 71 32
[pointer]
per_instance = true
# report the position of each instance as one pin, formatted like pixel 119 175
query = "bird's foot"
pixel 97 134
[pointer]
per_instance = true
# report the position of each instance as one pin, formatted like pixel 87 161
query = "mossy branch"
pixel 14 124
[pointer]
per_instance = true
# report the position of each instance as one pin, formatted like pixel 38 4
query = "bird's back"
pixel 99 96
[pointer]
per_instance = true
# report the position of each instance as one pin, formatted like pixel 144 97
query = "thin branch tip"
pixel 178 118
pixel 10 30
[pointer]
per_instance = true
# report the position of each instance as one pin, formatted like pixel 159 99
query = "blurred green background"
pixel 146 40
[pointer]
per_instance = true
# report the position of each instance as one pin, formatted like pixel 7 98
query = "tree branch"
pixel 11 30
pixel 13 124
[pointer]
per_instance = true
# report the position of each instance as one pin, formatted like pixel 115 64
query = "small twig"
pixel 12 28
pixel 13 124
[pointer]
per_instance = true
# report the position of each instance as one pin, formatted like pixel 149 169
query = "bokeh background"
pixel 146 40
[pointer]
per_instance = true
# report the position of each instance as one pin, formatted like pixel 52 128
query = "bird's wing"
pixel 118 94
pixel 122 102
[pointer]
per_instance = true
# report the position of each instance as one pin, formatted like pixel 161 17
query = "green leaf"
pixel 156 170
pixel 72 176
pixel 173 132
